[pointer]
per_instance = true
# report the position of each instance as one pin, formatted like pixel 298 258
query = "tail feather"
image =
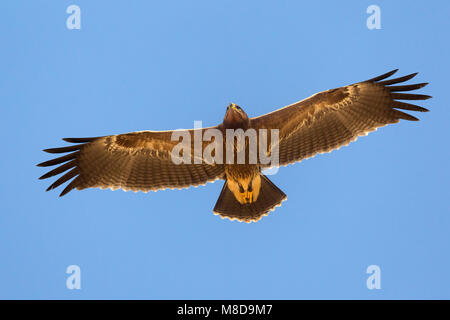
pixel 270 197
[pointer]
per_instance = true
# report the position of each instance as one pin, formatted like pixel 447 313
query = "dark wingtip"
pixel 407 87
pixel 410 118
pixel 408 106
pixel 398 80
pixel 72 185
pixel 392 72
pixel 412 75
pixel 419 85
pixel 64 149
pixel 79 140
pixel 383 76
pixel 404 116
pixel 409 96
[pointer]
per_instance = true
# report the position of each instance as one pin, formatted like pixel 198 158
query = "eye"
pixel 241 188
pixel 238 107
pixel 250 188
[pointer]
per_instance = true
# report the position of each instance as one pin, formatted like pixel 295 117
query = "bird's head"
pixel 235 116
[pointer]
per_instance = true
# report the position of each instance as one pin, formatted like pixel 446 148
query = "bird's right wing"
pixel 138 161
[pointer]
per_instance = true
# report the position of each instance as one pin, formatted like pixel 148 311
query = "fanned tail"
pixel 270 196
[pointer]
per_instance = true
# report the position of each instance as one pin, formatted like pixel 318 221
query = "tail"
pixel 269 197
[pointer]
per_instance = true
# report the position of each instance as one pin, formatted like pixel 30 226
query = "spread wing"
pixel 138 161
pixel 334 118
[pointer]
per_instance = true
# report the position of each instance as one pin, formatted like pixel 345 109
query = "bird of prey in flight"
pixel 141 161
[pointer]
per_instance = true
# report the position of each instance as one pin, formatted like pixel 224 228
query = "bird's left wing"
pixel 336 117
pixel 138 161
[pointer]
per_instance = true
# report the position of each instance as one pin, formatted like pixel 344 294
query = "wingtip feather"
pixel 384 76
pixel 79 140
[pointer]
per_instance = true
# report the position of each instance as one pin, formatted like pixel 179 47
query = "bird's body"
pixel 240 176
pixel 143 161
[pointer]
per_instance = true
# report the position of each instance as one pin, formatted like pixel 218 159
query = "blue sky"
pixel 159 65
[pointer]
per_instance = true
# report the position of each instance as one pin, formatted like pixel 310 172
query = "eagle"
pixel 326 121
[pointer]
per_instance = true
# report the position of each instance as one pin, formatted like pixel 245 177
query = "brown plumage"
pixel 141 161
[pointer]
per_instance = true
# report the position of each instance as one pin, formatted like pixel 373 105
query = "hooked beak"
pixel 232 113
pixel 232 106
